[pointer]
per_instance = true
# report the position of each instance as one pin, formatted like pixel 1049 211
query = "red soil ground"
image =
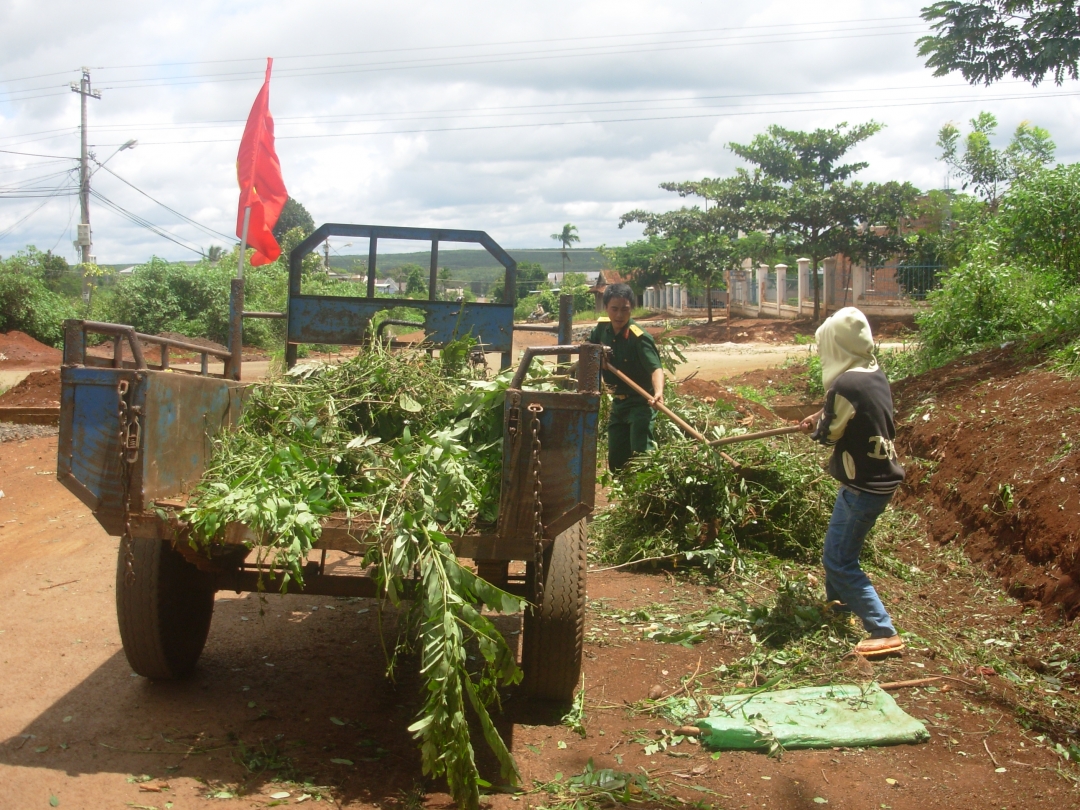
pixel 991 446
pixel 19 350
pixel 74 724
pixel 40 389
pixel 711 391
pixel 299 682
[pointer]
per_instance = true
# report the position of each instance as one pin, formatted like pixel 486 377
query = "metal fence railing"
pixel 696 300
pixel 770 287
pixel 900 281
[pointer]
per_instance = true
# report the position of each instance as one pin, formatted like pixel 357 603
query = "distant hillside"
pixel 479 265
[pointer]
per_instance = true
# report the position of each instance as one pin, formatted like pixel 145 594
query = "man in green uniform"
pixel 631 428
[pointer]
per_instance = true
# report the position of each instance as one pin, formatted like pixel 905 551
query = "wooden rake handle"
pixel 761 434
pixel 670 414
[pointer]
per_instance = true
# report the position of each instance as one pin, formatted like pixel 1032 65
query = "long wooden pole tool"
pixel 670 414
pixel 761 434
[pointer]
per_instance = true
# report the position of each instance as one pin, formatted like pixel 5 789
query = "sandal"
pixel 873 647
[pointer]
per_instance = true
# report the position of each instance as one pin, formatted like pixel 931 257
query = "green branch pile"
pixel 684 501
pixel 415 445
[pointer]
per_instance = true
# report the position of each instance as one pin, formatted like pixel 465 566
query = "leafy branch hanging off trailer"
pixel 415 445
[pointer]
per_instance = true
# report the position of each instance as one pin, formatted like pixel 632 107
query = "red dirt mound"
pixel 19 350
pixel 40 389
pixel 991 447
pixel 711 391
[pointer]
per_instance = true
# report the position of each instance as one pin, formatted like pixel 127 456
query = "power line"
pixel 142 222
pixel 558 53
pixel 738 112
pixel 39 132
pixel 209 231
pixel 507 43
pixel 11 229
pixel 31 185
pixel 423 115
pixel 419 114
pixel 67 228
pixel 31 98
pixel 34 154
pixel 40 76
pixel 295 73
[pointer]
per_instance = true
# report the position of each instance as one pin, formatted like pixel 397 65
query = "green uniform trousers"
pixel 631 429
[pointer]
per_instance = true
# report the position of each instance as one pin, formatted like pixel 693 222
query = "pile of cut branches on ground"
pixel 413 444
pixel 684 501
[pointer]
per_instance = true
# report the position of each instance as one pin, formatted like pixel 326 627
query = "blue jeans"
pixel 853 516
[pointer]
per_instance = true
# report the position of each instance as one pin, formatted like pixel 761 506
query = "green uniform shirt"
pixel 633 353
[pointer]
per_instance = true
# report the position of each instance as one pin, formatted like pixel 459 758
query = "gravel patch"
pixel 11 432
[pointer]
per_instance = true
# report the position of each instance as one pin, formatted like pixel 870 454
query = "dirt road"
pixel 290 697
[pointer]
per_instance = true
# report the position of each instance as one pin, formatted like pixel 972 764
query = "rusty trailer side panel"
pixel 173 418
pixel 567 457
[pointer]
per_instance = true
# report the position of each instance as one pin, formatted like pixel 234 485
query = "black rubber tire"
pixel 552 638
pixel 164 614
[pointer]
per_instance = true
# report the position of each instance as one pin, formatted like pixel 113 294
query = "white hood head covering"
pixel 844 342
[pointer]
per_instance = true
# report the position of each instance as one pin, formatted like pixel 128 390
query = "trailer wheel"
pixel 164 614
pixel 552 637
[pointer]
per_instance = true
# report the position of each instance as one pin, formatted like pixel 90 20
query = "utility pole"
pixel 326 253
pixel 84 241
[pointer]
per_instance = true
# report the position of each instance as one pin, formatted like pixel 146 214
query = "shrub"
pixel 584 301
pixel 1021 276
pixel 26 302
pixel 986 300
pixel 162 296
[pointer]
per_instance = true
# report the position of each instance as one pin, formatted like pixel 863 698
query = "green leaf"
pixel 54 801
pixel 341 761
pixel 409 404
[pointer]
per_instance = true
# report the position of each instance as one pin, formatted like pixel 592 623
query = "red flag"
pixel 259 173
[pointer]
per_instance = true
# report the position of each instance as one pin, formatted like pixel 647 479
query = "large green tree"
pixel 803 192
pixel 293 215
pixel 635 260
pixel 986 169
pixel 697 246
pixel 987 40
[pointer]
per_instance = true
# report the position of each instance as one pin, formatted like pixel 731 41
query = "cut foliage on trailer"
pixel 412 444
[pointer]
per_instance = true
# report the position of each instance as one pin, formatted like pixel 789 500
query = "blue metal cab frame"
pixel 340 320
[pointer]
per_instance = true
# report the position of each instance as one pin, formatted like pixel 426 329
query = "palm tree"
pixel 214 253
pixel 566 238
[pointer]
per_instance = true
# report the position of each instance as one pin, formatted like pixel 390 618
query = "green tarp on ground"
pixel 812 717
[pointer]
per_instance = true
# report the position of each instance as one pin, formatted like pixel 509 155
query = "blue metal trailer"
pixel 135 438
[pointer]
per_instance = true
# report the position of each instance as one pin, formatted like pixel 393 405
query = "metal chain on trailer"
pixel 129 436
pixel 538 509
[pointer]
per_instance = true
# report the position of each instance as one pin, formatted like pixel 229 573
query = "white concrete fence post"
pixel 828 281
pixel 804 281
pixel 781 287
pixel 858 283
pixel 762 283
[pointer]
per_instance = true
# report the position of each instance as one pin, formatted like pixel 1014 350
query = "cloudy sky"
pixel 510 117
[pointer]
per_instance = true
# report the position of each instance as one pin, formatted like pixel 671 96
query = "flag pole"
pixel 236 306
pixel 243 242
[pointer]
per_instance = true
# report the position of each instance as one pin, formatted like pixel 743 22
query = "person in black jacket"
pixel 857 422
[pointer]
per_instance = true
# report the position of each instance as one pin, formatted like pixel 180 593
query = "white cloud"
pixel 504 116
